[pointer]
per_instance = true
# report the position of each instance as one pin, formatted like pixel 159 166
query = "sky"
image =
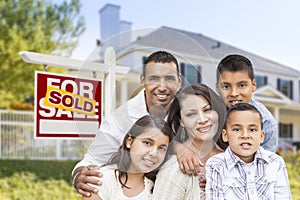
pixel 268 28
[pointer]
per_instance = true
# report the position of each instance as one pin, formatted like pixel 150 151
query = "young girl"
pixel 130 173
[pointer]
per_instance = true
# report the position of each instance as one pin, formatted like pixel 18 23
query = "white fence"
pixel 17 140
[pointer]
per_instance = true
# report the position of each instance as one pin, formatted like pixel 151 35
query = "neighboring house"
pixel 198 55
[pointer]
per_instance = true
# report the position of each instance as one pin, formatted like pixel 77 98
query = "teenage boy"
pixel 245 170
pixel 235 84
pixel 161 80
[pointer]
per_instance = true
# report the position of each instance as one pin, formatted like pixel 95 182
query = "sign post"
pixel 72 103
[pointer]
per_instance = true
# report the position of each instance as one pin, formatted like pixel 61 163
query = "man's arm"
pixel 102 148
pixel 92 197
pixel 110 136
pixel 83 175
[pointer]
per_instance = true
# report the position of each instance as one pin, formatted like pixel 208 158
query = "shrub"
pixel 40 180
pixel 292 160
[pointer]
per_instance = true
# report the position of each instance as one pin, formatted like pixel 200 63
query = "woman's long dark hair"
pixel 211 97
pixel 122 157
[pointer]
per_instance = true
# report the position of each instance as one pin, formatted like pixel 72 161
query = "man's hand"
pixel 189 162
pixel 85 175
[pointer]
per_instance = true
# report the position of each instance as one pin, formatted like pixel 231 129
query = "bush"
pixel 292 160
pixel 42 180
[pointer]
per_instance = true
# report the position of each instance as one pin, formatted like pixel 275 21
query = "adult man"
pixel 161 80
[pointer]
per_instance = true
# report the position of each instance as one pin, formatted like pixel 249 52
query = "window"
pixel 286 87
pixel 285 130
pixel 191 74
pixel 261 80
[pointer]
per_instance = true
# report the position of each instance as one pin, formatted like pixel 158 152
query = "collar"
pixel 137 105
pixel 233 160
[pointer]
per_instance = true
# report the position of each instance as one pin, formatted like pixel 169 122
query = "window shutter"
pixel 265 80
pixel 291 90
pixel 278 84
pixel 291 130
pixel 280 129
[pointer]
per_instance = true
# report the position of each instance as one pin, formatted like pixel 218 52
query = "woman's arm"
pixel 170 182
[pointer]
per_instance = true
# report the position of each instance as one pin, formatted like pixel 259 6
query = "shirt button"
pixel 233 184
pixel 252 192
pixel 249 173
pixel 265 181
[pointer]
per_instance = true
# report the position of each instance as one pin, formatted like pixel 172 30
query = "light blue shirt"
pixel 270 127
pixel 228 177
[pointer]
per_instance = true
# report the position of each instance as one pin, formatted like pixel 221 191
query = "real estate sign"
pixel 66 106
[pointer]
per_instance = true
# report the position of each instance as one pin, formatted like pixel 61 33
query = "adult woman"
pixel 197 116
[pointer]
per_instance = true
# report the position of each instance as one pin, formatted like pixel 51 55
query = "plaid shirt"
pixel 270 127
pixel 228 177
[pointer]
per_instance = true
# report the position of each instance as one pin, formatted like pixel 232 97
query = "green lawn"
pixel 50 180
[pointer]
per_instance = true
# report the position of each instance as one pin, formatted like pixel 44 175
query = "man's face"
pixel 235 87
pixel 161 82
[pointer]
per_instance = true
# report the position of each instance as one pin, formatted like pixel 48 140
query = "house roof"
pixel 268 94
pixel 198 45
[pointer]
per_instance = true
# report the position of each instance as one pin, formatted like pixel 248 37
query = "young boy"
pixel 245 170
pixel 235 84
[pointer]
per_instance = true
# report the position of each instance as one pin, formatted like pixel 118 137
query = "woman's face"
pixel 198 118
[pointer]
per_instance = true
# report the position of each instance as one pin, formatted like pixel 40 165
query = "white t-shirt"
pixel 140 196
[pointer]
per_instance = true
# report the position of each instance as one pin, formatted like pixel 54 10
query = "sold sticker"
pixel 68 101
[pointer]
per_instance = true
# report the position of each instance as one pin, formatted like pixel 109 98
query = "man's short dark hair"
pixel 161 57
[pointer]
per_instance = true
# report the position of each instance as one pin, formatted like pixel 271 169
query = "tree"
pixel 38 26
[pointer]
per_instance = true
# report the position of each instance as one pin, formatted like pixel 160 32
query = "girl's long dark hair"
pixel 122 157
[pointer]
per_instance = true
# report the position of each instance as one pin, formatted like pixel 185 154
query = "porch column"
pixel 124 91
pixel 276 114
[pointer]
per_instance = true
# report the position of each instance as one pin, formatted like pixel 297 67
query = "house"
pixel 198 55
